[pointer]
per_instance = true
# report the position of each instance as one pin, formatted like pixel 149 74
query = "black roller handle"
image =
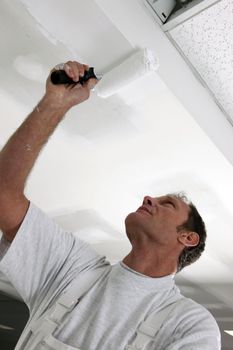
pixel 60 77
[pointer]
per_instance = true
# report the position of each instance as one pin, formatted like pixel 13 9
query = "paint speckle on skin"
pixel 206 40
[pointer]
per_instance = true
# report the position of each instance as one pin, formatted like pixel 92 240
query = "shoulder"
pixel 189 326
pixel 191 315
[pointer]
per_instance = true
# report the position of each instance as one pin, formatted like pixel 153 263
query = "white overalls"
pixel 39 334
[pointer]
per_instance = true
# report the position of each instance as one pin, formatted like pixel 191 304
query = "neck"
pixel 152 264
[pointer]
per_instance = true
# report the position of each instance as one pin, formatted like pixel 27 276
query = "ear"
pixel 188 239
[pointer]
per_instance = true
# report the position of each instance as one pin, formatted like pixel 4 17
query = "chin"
pixel 129 225
pixel 133 221
pixel 130 217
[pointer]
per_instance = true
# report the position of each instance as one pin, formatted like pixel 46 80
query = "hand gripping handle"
pixel 60 77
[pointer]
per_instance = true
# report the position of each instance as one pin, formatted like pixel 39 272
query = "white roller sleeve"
pixel 137 65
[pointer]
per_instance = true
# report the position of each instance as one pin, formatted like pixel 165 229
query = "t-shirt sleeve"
pixel 43 258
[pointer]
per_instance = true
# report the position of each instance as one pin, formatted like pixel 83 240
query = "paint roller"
pixel 139 64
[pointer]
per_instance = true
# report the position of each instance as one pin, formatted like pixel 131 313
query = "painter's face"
pixel 158 219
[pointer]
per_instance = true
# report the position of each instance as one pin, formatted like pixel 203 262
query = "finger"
pixel 91 83
pixel 72 86
pixel 68 70
pixel 81 69
pixel 75 70
pixel 86 67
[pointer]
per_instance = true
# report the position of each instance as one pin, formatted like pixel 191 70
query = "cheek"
pixel 166 230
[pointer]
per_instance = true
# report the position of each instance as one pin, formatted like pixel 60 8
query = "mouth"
pixel 144 209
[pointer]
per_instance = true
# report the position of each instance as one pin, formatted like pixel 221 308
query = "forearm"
pixel 21 151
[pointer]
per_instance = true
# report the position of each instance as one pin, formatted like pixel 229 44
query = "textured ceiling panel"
pixel 207 41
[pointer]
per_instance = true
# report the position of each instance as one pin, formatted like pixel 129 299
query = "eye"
pixel 171 204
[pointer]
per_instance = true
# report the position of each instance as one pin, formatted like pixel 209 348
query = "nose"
pixel 149 201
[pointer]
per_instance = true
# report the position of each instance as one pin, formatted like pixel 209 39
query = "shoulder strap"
pixel 65 303
pixel 49 321
pixel 78 288
pixel 148 329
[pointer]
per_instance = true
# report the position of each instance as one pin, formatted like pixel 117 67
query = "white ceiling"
pixel 108 153
pixel 206 41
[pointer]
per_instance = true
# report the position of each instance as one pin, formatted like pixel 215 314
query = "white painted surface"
pixel 107 154
pixel 82 28
pixel 173 70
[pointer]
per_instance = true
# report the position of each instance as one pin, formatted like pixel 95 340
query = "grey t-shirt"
pixel 43 260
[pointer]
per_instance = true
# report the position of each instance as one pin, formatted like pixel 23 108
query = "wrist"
pixel 52 104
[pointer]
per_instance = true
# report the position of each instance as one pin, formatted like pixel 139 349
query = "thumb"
pixel 91 83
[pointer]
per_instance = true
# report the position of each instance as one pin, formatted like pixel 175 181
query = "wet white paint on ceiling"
pixel 108 153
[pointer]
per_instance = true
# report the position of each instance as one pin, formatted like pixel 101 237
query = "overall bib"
pixel 39 333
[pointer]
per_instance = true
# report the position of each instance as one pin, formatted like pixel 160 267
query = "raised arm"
pixel 21 151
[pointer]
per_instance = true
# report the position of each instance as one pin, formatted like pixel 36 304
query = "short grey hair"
pixel 194 223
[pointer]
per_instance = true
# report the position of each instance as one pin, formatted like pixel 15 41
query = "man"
pixel 41 260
